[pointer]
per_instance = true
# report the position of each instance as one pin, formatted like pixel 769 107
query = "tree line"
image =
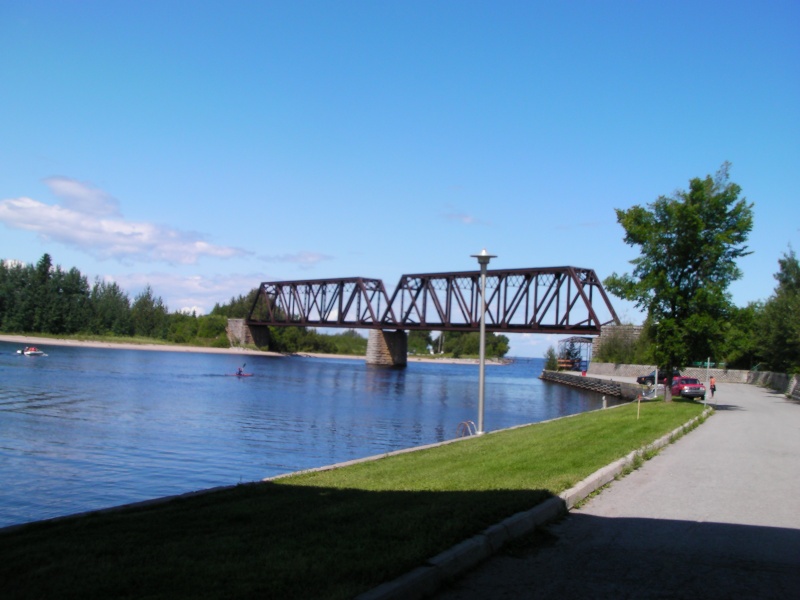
pixel 45 299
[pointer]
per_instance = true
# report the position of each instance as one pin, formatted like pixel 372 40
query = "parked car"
pixel 662 377
pixel 688 387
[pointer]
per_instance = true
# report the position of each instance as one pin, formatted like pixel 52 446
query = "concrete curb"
pixel 424 581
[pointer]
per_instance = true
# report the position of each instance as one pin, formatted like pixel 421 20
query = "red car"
pixel 688 387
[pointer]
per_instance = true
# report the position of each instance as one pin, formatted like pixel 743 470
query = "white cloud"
pixel 89 219
pixel 188 292
pixel 533 344
pixel 82 197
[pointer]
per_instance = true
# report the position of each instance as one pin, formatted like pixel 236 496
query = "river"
pixel 88 428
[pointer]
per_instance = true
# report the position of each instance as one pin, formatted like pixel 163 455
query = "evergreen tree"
pixel 551 359
pixel 111 310
pixel 149 316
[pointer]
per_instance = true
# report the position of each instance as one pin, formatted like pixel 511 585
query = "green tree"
pixel 463 343
pixel 236 308
pixel 349 342
pixel 419 342
pixel 620 347
pixel 69 302
pixel 551 359
pixel 741 348
pixel 778 326
pixel 9 278
pixel 572 352
pixel 111 309
pixel 17 306
pixel 39 298
pixel 182 327
pixel 211 326
pixel 689 244
pixel 149 316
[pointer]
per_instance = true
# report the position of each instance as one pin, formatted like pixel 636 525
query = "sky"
pixel 203 147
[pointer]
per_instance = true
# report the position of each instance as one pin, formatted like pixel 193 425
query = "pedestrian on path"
pixel 713 385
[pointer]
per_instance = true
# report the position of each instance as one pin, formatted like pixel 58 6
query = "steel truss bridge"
pixel 536 300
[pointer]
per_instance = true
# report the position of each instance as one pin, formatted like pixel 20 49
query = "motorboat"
pixel 31 351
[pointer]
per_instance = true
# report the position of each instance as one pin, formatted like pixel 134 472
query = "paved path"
pixel 716 515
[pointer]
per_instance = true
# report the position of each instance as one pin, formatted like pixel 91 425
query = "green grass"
pixel 326 534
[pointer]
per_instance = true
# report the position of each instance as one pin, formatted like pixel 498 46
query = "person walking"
pixel 713 385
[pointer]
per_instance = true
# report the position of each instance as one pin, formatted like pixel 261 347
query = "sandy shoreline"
pixel 44 342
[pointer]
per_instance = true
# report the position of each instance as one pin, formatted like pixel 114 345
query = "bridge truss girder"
pixel 346 302
pixel 533 300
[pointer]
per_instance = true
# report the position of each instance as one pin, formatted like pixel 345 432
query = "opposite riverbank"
pixel 27 340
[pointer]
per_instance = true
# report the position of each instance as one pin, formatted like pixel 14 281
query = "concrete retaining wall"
pixel 609 387
pixel 781 382
pixel 721 375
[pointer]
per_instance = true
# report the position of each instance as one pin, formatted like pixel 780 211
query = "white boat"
pixel 31 351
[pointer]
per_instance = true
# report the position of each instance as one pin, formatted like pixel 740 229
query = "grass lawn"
pixel 327 534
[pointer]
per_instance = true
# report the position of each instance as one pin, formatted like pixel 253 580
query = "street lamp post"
pixel 655 381
pixel 483 260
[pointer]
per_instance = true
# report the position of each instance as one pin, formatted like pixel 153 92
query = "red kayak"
pixel 239 374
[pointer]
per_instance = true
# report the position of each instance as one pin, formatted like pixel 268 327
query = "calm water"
pixel 86 428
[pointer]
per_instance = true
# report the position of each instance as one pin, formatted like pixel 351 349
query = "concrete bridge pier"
pixel 387 348
pixel 240 334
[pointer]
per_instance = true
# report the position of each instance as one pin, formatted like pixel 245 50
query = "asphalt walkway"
pixel 716 515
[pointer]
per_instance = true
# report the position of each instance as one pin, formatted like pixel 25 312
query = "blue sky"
pixel 204 147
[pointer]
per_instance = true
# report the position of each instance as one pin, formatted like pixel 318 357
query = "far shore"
pixel 44 342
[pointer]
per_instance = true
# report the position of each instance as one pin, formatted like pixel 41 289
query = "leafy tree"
pixel 741 348
pixel 498 344
pixel 182 327
pixel 689 245
pixel 419 341
pixel 460 343
pixel 778 326
pixel 350 342
pixel 619 347
pixel 211 326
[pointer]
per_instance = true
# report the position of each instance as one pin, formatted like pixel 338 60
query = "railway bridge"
pixel 568 300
